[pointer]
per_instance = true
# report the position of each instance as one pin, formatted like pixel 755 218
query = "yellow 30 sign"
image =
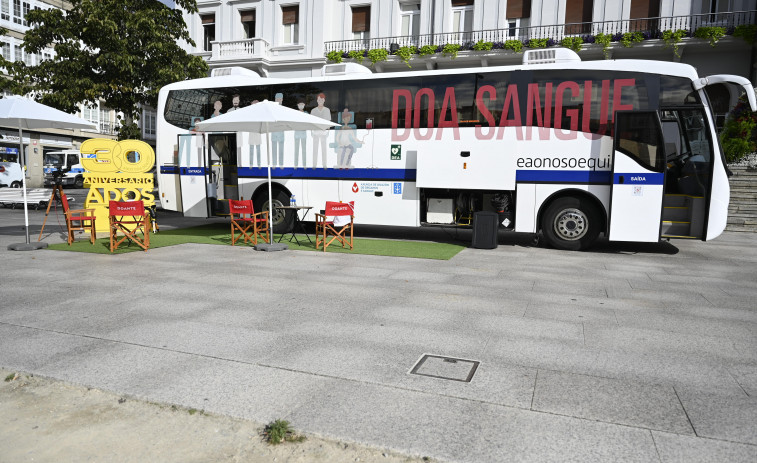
pixel 116 171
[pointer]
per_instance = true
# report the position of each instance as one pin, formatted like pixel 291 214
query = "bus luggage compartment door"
pixel 638 177
pixel 193 174
pixel 475 167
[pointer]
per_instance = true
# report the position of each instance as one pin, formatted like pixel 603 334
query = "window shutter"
pixel 247 16
pixel 518 9
pixel 361 19
pixel 578 11
pixel 291 14
pixel 208 18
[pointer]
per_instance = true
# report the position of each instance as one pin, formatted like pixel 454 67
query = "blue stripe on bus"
pixel 601 177
pixel 635 178
pixel 407 175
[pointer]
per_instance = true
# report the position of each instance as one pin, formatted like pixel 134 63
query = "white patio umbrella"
pixel 265 117
pixel 23 113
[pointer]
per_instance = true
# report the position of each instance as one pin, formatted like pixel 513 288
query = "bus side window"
pixel 637 136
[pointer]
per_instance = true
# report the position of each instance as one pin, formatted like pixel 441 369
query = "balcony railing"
pixel 109 128
pixel 651 28
pixel 236 49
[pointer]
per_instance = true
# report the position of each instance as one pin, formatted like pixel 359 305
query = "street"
pixel 627 352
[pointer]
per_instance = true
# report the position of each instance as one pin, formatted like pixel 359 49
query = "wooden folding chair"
pixel 337 227
pixel 78 219
pixel 129 218
pixel 244 218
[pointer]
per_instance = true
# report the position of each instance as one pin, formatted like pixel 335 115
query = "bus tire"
pixel 79 181
pixel 282 220
pixel 571 223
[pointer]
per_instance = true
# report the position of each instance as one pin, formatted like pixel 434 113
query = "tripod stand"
pixel 54 196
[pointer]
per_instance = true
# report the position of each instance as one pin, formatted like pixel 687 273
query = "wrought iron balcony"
pixel 651 28
pixel 109 128
pixel 239 49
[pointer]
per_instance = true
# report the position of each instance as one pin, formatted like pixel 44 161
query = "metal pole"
pixel 23 179
pixel 270 194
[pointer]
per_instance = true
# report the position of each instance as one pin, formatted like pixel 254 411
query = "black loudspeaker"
pixel 485 226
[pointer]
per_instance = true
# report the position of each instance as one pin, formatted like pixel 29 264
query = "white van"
pixel 10 170
pixel 67 165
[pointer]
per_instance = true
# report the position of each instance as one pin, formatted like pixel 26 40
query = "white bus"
pixel 568 148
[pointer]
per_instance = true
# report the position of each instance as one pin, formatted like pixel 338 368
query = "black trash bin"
pixel 485 225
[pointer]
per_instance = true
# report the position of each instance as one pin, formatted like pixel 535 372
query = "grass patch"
pixel 219 233
pixel 11 377
pixel 279 431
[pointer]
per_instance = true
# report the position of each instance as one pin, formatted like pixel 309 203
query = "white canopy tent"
pixel 23 113
pixel 265 117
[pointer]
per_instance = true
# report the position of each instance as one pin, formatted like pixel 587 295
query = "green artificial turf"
pixel 220 234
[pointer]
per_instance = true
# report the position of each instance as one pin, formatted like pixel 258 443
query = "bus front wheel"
pixel 571 223
pixel 282 220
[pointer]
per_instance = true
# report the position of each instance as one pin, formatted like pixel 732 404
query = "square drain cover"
pixel 437 366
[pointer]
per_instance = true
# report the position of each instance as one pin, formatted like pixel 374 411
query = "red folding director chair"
pixel 129 218
pixel 337 227
pixel 244 219
pixel 78 219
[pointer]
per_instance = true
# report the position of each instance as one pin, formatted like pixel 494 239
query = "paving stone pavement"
pixel 628 352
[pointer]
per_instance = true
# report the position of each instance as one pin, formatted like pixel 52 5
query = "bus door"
pixel 688 175
pixel 193 175
pixel 638 177
pixel 223 179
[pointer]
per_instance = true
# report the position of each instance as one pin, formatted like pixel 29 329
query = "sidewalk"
pixel 625 353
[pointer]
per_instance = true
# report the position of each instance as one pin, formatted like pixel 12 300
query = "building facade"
pixel 292 38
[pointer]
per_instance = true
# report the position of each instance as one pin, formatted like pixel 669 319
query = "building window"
pixel 91 114
pixel 361 22
pixel 5 10
pixel 248 23
pixel 291 22
pixel 148 124
pixel 717 6
pixel 7 51
pixel 644 9
pixel 462 18
pixel 208 30
pixel 578 16
pixel 518 12
pixel 17 18
pixel 410 19
pixel 18 53
pixel 26 9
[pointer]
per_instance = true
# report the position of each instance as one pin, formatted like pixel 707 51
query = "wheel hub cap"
pixel 571 224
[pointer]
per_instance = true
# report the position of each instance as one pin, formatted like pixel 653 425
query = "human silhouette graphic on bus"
pixel 320 136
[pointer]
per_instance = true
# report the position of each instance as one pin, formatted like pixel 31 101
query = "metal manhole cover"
pixel 437 366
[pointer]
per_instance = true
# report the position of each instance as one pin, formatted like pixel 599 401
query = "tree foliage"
pixel 120 51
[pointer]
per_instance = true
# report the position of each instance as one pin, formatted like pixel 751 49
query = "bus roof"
pixel 648 66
